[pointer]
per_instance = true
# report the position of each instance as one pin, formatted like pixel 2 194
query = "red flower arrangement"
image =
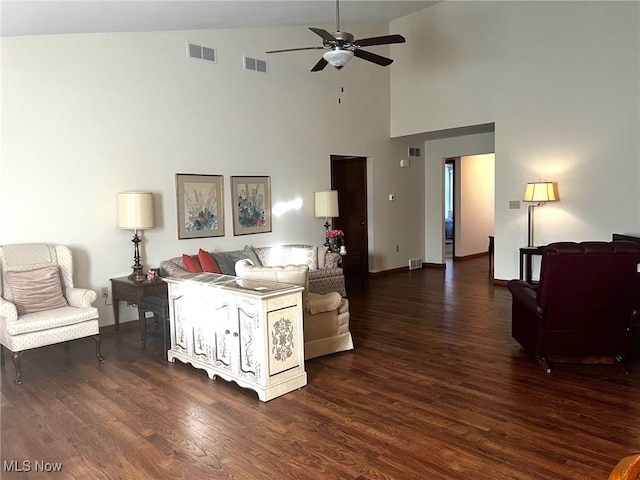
pixel 334 234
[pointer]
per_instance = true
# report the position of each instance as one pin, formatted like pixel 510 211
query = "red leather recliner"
pixel 586 303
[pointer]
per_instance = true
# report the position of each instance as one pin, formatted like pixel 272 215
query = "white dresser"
pixel 244 331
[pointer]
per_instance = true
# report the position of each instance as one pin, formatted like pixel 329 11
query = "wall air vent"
pixel 414 152
pixel 201 53
pixel 255 64
pixel 415 263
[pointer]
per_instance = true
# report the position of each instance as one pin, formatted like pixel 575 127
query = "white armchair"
pixel 39 305
pixel 326 317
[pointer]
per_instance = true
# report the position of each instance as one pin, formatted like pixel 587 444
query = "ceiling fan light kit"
pixel 338 58
pixel 341 47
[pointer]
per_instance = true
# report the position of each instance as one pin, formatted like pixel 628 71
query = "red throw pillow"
pixel 207 262
pixel 192 263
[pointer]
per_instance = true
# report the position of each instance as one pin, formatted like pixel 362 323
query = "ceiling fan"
pixel 341 47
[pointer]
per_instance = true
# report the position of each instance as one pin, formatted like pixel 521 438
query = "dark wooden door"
pixel 349 178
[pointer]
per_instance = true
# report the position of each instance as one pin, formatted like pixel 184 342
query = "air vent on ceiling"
pixel 255 64
pixel 201 53
pixel 414 152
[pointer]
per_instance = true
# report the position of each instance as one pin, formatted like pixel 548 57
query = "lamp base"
pixel 326 239
pixel 137 275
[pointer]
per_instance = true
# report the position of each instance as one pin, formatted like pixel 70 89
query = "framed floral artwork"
pixel 251 198
pixel 200 202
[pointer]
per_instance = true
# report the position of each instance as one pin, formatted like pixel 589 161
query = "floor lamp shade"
pixel 327 204
pixel 135 210
pixel 540 192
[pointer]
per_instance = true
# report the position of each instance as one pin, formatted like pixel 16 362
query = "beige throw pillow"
pixel 305 255
pixel 36 290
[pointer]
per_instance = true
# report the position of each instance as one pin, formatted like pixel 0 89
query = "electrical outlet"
pixel 514 204
pixel 105 292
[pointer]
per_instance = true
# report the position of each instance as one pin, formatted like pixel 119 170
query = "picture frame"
pixel 200 205
pixel 251 197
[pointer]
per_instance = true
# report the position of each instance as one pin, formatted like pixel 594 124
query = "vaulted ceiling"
pixel 26 17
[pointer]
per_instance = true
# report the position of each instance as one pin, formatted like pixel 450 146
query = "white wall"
pixel 399 223
pixel 560 81
pixel 87 116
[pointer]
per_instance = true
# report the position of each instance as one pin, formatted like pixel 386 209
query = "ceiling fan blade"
pixel 372 57
pixel 320 65
pixel 324 34
pixel 295 49
pixel 385 40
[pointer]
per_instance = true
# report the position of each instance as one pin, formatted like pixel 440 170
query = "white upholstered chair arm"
pixel 322 303
pixel 8 311
pixel 81 297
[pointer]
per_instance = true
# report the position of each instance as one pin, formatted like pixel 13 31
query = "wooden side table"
pixel 159 306
pixel 126 290
pixel 526 264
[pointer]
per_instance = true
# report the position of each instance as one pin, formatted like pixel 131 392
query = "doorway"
pixel 449 207
pixel 349 178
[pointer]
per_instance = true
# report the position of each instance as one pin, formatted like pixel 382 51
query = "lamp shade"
pixel 338 58
pixel 327 204
pixel 539 192
pixel 135 210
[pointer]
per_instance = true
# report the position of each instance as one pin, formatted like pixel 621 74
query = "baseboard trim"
pixel 404 269
pixel 469 257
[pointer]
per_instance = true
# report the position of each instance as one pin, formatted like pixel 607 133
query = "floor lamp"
pixel 135 212
pixel 327 207
pixel 537 193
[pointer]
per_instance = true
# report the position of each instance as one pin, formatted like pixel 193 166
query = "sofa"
pixel 325 273
pixel 585 306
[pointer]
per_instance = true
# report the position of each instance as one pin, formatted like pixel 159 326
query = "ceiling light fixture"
pixel 338 58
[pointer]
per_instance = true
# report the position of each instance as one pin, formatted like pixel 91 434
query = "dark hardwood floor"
pixel 435 389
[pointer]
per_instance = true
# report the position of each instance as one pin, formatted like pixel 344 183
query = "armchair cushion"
pixel 51 319
pixel 36 290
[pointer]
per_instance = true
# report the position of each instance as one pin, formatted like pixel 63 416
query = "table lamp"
pixel 135 212
pixel 327 207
